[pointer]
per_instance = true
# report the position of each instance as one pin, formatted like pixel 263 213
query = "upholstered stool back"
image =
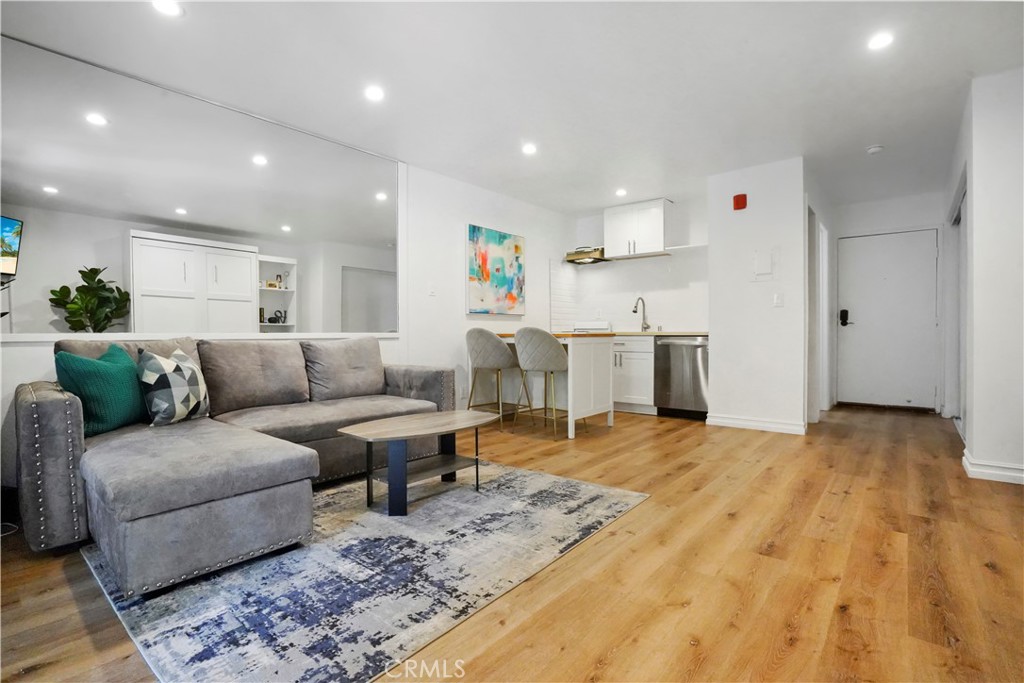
pixel 487 351
pixel 539 350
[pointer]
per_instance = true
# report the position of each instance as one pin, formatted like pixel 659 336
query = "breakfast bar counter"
pixel 589 381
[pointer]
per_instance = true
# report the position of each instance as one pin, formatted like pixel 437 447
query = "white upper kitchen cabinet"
pixel 635 229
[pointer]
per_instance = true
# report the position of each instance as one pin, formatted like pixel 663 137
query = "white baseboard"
pixel 994 471
pixel 762 425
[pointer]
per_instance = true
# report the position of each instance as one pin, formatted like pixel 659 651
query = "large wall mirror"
pixel 239 225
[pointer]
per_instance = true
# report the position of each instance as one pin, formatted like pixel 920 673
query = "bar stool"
pixel 487 351
pixel 540 351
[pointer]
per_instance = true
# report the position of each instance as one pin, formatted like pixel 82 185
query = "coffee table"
pixel 397 431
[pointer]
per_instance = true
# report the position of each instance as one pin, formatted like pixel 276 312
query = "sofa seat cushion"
pixel 139 471
pixel 316 420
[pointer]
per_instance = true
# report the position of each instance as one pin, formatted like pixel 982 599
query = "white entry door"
pixel 888 351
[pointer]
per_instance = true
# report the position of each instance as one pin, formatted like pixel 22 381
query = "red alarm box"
pixel 739 202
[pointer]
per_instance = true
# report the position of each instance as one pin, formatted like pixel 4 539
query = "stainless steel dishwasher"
pixel 681 374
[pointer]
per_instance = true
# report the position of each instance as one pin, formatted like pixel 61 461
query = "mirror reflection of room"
pixel 210 219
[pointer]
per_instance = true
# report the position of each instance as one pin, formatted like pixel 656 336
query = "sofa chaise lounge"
pixel 168 503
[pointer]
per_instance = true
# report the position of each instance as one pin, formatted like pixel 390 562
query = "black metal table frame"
pixel 398 467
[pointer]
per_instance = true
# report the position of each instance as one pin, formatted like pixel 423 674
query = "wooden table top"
pixel 565 335
pixel 419 424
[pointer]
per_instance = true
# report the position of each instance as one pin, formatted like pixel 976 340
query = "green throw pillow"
pixel 108 386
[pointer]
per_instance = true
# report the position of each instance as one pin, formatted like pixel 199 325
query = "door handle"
pixel 844 317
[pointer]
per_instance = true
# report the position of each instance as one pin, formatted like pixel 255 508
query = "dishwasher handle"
pixel 682 342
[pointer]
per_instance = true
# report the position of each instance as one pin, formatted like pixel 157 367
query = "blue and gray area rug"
pixel 369 590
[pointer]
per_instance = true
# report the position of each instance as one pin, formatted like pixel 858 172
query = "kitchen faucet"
pixel 644 326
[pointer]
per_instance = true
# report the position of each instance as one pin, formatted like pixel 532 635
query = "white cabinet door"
pixel 231 316
pixel 634 378
pixel 166 287
pixel 619 230
pixel 168 314
pixel 165 268
pixel 231 291
pixel 650 228
pixel 230 274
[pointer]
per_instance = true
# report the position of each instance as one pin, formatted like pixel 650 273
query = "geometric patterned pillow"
pixel 173 388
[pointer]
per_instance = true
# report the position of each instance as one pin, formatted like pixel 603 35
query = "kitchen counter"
pixel 589 377
pixel 660 334
pixel 565 335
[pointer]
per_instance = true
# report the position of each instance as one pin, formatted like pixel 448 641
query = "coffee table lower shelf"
pixel 400 472
pixel 430 467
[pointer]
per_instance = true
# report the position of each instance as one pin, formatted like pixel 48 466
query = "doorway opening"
pixel 888 339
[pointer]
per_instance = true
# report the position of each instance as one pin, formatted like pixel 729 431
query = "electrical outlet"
pixel 777 300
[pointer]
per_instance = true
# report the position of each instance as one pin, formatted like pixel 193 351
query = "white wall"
pixel 320 310
pixel 57 244
pixel 993 151
pixel 434 262
pixel 674 287
pixel 819 286
pixel 892 215
pixel 757 359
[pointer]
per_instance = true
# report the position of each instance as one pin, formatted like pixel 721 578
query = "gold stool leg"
pixel 501 407
pixel 472 388
pixel 554 407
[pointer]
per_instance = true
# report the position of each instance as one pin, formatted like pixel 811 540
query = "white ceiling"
pixel 651 97
pixel 161 151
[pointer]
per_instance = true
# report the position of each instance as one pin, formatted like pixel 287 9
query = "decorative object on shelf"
pixel 279 318
pixel 271 284
pixel 280 282
pixel 496 279
pixel 284 285
pixel 95 305
pixel 263 318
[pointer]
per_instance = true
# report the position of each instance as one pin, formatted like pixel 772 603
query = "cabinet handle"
pixel 215 275
pixel 184 271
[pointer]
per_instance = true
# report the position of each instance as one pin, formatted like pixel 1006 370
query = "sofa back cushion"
pixel 342 368
pixel 245 374
pixel 161 347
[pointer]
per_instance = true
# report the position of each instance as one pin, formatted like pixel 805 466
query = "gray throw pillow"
pixel 173 388
pixel 341 368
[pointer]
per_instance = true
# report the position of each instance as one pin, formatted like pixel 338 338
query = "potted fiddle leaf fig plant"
pixel 94 305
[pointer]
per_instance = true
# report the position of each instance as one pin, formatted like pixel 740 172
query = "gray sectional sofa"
pixel 169 503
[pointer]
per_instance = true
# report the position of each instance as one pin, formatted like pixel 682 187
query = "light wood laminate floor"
pixel 858 552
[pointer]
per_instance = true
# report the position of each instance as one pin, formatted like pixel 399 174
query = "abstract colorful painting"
pixel 496 276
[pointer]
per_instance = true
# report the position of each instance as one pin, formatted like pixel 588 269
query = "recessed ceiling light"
pixel 381 196
pixel 96 119
pixel 286 228
pixel 259 160
pixel 529 149
pixel 374 93
pixel 49 189
pixel 621 192
pixel 875 149
pixel 168 7
pixel 880 40
pixel 181 212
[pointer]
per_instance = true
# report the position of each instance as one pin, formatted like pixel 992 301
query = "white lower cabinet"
pixel 633 373
pixel 180 285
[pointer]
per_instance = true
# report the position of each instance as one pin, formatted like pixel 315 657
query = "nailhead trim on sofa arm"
pixel 51 438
